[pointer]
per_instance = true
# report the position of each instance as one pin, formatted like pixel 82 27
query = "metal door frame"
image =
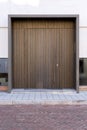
pixel 11 17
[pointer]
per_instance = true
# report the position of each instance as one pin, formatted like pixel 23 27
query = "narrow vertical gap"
pixel 27 54
pixel 44 59
pixel 44 30
pixel 75 55
pixel 35 59
pixel 59 55
pixel 17 56
pixel 12 58
pixel 56 51
pixel 60 83
pixel 19 68
pixel 24 57
pixel 21 84
pixel 27 51
pixel 29 69
pixel 13 55
pixel 65 57
pixel 48 56
pixel 30 59
pixel 30 45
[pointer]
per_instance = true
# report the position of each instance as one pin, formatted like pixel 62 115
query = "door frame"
pixel 11 17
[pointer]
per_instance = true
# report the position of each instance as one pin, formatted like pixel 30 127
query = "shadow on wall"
pixel 3 72
pixel 83 71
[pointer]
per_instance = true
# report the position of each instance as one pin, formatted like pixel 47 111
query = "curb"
pixel 30 102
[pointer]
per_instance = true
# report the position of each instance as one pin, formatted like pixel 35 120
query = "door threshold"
pixel 43 90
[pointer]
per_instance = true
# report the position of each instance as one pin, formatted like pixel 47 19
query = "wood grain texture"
pixel 43 53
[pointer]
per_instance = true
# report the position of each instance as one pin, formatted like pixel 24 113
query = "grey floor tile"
pixel 38 96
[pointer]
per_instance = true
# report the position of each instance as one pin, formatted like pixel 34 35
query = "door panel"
pixel 57 59
pixel 43 55
pixel 66 58
pixel 18 62
pixel 41 44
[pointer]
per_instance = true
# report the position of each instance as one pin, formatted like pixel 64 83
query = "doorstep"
pixel 43 96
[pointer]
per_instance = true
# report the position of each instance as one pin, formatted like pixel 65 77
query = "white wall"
pixel 43 7
pixel 3 42
pixel 83 42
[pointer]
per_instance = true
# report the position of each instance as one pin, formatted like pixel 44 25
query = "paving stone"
pixel 43 96
pixel 43 117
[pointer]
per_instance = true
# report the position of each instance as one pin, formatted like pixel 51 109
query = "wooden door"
pixel 41 57
pixel 19 59
pixel 43 54
pixel 67 58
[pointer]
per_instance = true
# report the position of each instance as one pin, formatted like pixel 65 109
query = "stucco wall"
pixel 43 7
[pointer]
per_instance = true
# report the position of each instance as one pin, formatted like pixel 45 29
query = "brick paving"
pixel 43 97
pixel 43 117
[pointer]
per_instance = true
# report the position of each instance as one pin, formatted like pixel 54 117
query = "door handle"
pixel 57 65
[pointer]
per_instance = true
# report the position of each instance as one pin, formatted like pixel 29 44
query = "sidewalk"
pixel 21 96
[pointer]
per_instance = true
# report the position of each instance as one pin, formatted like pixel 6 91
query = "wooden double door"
pixel 43 57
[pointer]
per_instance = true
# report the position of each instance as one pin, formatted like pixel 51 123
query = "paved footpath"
pixel 43 117
pixel 43 97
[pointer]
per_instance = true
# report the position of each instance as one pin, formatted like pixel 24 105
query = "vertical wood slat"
pixel 67 59
pixel 18 55
pixel 57 64
pixel 14 58
pixel 28 33
pixel 36 51
pixel 33 57
pixel 17 59
pixel 25 60
pixel 21 58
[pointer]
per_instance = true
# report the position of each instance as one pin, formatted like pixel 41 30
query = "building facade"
pixel 44 43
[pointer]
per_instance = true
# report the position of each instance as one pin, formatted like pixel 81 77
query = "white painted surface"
pixel 83 43
pixel 43 7
pixel 3 42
